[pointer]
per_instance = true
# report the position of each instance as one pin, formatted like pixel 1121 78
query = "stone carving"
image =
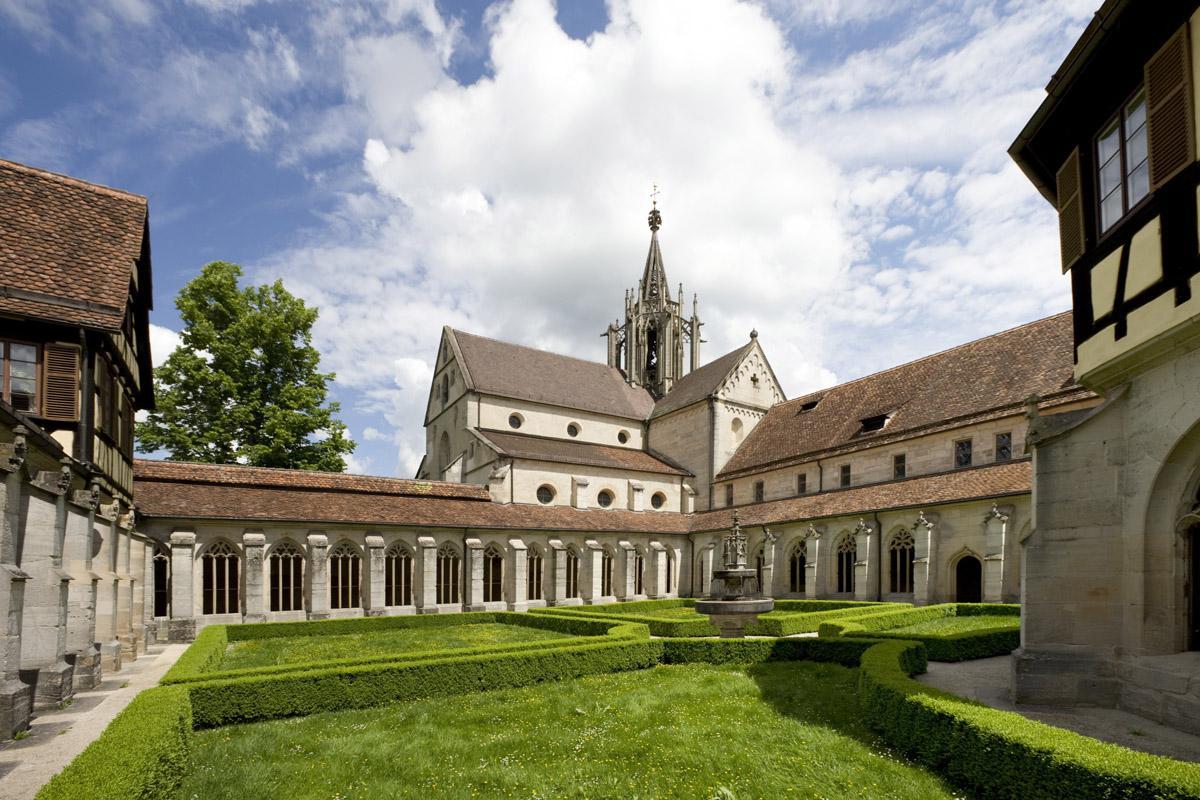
pixel 995 513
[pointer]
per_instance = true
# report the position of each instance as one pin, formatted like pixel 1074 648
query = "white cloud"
pixel 163 342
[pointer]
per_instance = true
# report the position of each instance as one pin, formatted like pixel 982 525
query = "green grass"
pixel 948 626
pixel 690 731
pixel 302 649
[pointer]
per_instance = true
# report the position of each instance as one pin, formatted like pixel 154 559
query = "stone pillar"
pixel 924 560
pixel 425 576
pixel 557 594
pixel 516 582
pixel 768 568
pixel 866 563
pixel 148 622
pixel 125 590
pixel 182 626
pixel 624 582
pixel 318 575
pixel 254 546
pixel 579 494
pixel 591 573
pixel 636 496
pixel 82 646
pixel 105 564
pixel 374 598
pixel 704 563
pixel 815 568
pixel 656 570
pixel 16 697
pixel 44 620
pixel 995 532
pixel 137 578
pixel 473 575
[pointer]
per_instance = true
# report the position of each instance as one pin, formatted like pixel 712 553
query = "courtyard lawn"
pixel 949 626
pixel 402 641
pixel 692 731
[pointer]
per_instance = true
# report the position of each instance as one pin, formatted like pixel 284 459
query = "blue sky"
pixel 833 172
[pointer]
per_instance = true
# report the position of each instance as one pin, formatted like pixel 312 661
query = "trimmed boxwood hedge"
pixel 144 752
pixel 846 652
pixel 1001 754
pixel 964 646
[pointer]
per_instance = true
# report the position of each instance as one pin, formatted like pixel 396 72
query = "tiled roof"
pixel 570 452
pixel 700 383
pixel 67 247
pixel 997 372
pixel 512 370
pixel 148 471
pixel 992 480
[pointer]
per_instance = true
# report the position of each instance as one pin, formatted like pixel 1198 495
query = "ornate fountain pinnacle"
pixel 735 545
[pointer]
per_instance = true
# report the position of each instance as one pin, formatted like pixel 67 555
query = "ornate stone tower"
pixel 649 347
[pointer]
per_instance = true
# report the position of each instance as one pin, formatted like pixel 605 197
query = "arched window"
pixel 606 573
pixel 445 389
pixel 220 579
pixel 670 571
pixel 162 582
pixel 444 452
pixel 797 561
pixel 900 562
pixel 345 571
pixel 736 428
pixel 533 574
pixel 493 574
pixel 287 577
pixel 572 588
pixel 448 566
pixel 847 554
pixel 397 576
pixel 639 573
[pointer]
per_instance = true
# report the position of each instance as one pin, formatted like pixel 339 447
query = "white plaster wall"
pixel 552 421
pixel 527 476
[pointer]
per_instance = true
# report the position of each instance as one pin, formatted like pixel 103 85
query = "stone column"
pixel 656 570
pixel 16 697
pixel 516 582
pixel 125 590
pixel 425 576
pixel 473 575
pixel 557 594
pixel 137 583
pixel 924 560
pixel 866 563
pixel 375 595
pixel 814 567
pixel 318 575
pixel 591 573
pixel 995 532
pixel 768 569
pixel 148 622
pixel 254 546
pixel 105 563
pixel 624 582
pixel 704 563
pixel 182 626
pixel 82 645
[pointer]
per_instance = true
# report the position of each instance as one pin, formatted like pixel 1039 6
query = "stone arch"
pixel 161 564
pixel 738 429
pixel 345 575
pixel 449 570
pixel 493 573
pixel 608 560
pixel 443 453
pixel 797 565
pixel 535 566
pixel 397 575
pixel 285 576
pixel 845 553
pixel 639 570
pixel 220 578
pixel 965 574
pixel 901 553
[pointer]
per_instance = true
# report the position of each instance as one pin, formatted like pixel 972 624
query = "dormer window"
pixel 875 423
pixel 809 406
pixel 1122 159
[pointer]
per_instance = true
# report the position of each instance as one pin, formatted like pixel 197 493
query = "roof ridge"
pixel 99 188
pixel 458 332
pixel 286 470
pixel 869 376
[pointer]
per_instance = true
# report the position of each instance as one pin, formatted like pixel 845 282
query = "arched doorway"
pixel 1193 590
pixel 968 580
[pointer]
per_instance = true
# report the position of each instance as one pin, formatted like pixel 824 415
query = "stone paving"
pixel 57 736
pixel 987 680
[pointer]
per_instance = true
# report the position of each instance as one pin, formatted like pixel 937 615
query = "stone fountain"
pixel 735 599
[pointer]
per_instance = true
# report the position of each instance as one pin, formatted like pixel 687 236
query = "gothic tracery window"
pixel 345 571
pixel 572 563
pixel 493 574
pixel 639 574
pixel 219 574
pixel 606 574
pixel 797 562
pixel 900 562
pixel 286 568
pixel 448 567
pixel 847 554
pixel 533 574
pixel 162 583
pixel 397 576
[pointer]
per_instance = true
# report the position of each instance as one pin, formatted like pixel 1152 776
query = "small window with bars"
pixel 729 494
pixel 801 483
pixel 1003 446
pixel 962 453
pixel 759 492
pixel 844 475
pixel 899 466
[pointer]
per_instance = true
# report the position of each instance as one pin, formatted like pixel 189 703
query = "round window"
pixel 605 498
pixel 658 500
pixel 545 494
pixel 514 420
pixel 572 429
pixel 623 437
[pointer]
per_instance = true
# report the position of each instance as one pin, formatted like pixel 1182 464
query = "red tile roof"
pixel 67 247
pixel 947 389
pixel 699 384
pixel 563 451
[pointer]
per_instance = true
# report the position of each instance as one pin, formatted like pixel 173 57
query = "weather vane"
pixel 654 195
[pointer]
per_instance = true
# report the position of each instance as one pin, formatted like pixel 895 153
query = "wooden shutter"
pixel 1169 109
pixel 1071 237
pixel 61 393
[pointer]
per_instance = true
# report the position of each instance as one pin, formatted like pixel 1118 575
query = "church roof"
pixel 990 376
pixel 67 247
pixel 523 373
pixel 700 383
pixel 565 451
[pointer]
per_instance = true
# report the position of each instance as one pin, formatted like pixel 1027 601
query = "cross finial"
pixel 654 195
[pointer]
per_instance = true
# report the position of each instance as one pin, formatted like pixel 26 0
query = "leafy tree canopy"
pixel 244 386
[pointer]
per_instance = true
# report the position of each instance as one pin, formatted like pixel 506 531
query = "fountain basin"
pixel 732 616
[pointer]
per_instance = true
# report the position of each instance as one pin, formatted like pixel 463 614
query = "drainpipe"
pixel 820 477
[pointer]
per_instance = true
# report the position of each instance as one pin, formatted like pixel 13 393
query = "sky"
pixel 831 173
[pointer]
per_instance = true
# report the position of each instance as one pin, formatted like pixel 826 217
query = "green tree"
pixel 244 386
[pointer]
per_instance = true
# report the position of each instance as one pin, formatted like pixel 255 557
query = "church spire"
pixel 654 277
